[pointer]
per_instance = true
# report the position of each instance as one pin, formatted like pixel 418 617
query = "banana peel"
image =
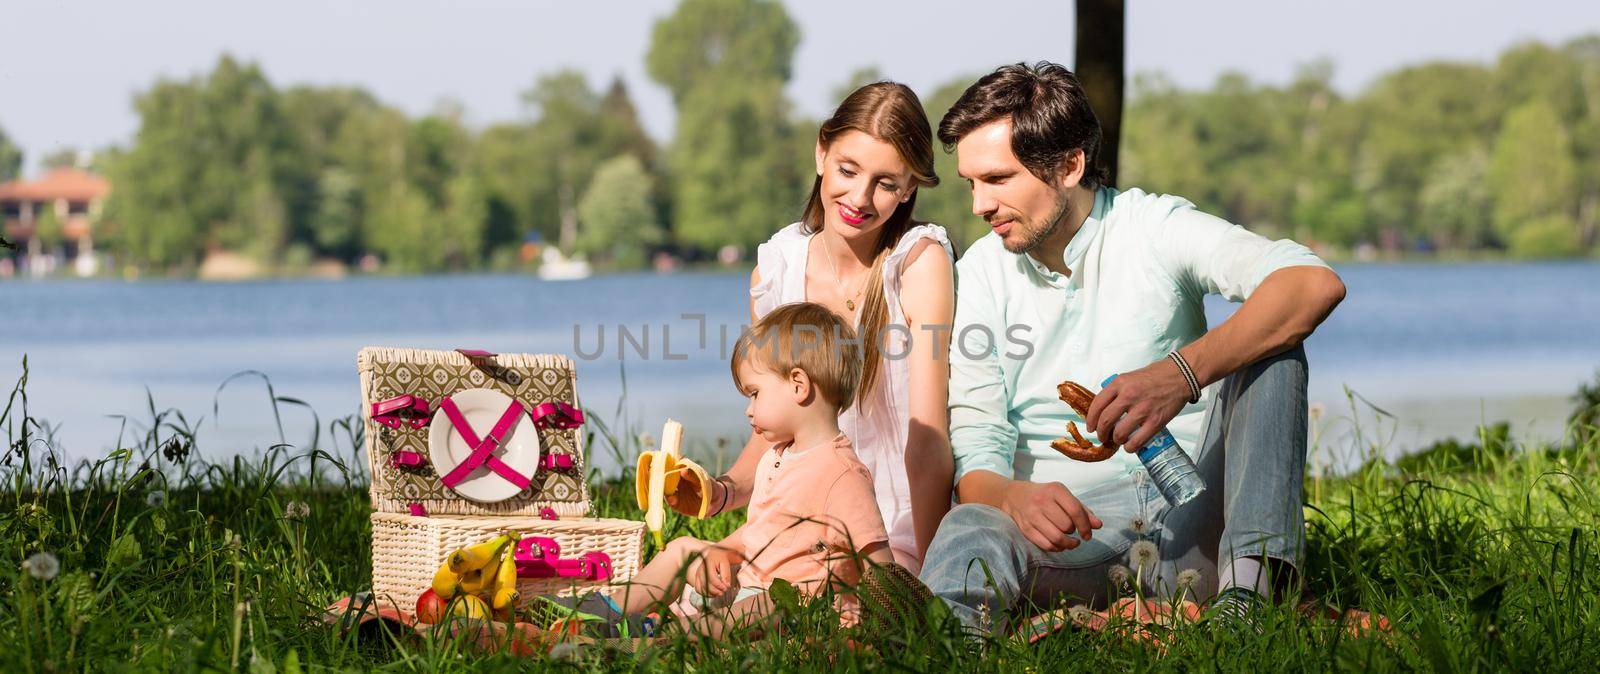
pixel 660 473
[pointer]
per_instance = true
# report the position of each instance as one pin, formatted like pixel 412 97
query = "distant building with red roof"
pixel 70 198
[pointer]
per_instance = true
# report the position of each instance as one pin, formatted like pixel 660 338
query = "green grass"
pixel 1483 554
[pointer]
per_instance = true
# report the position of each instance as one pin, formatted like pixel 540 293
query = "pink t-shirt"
pixel 810 512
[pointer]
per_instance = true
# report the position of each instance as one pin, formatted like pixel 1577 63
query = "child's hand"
pixel 712 573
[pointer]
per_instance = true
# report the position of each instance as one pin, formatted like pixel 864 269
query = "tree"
pixel 727 41
pixel 733 158
pixel 618 213
pixel 210 168
pixel 1455 202
pixel 1099 63
pixel 1534 179
pixel 950 203
pixel 10 159
pixel 575 129
pixel 66 157
pixel 733 161
pixel 338 159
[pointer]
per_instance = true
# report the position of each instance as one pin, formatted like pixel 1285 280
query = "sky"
pixel 69 69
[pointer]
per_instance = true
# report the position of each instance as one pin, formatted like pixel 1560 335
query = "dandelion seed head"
pixel 1188 577
pixel 297 510
pixel 1119 575
pixel 1139 524
pixel 156 499
pixel 1143 554
pixel 42 565
pixel 647 441
pixel 1316 410
pixel 1080 614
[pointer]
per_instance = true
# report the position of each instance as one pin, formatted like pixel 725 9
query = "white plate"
pixel 481 408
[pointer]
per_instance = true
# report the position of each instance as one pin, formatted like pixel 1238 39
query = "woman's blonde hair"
pixel 808 337
pixel 889 112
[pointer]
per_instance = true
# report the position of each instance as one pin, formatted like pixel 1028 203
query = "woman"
pixel 857 251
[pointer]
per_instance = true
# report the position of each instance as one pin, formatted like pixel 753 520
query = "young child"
pixel 812 517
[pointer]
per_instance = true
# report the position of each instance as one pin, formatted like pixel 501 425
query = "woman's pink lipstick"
pixel 851 216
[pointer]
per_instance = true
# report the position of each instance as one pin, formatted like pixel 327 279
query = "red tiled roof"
pixel 61 183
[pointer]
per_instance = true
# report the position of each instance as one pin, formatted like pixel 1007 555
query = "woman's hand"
pixel 686 500
pixel 712 571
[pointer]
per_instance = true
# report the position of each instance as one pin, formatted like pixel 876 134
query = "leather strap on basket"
pixel 404 410
pixel 483 449
pixel 556 414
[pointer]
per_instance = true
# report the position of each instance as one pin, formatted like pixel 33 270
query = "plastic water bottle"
pixel 1169 466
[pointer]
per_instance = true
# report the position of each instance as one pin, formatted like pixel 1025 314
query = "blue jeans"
pixel 1252 459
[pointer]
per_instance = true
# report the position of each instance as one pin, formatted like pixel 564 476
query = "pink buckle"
pixel 408 460
pixel 556 414
pixel 404 409
pixel 548 513
pixel 536 549
pixel 555 462
pixel 483 449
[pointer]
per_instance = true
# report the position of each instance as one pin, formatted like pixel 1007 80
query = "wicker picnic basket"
pixel 407 550
pixel 418 520
pixel 533 379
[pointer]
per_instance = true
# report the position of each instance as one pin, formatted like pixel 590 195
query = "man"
pixel 1078 281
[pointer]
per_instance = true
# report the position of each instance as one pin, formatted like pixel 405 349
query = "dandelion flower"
pixel 1143 554
pixel 296 510
pixel 1188 577
pixel 42 565
pixel 1119 575
pixel 156 499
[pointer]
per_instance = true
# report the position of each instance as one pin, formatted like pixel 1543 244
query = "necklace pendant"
pixel 850 304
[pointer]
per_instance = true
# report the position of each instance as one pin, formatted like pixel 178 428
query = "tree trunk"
pixel 1099 62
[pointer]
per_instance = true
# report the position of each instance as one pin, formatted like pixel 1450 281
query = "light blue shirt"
pixel 1141 266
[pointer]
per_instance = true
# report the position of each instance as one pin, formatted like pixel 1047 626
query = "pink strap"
pixel 476 353
pixel 556 414
pixel 417 510
pixel 404 409
pixel 483 450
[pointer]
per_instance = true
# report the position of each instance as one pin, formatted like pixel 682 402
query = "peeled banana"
pixel 660 473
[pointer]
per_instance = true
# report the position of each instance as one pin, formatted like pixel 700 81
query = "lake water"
pixel 1440 346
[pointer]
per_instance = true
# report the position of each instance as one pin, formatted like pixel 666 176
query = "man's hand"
pixel 1048 514
pixel 711 573
pixel 1138 404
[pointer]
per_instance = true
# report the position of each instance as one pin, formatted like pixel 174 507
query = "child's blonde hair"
pixel 807 336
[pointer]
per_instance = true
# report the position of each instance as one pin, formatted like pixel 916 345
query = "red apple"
pixel 430 608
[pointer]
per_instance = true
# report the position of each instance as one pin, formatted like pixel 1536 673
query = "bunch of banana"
pixel 660 473
pixel 482 575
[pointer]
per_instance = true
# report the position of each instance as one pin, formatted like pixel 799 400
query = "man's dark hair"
pixel 1050 117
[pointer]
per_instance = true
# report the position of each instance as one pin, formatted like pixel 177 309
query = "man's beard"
pixel 1037 237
